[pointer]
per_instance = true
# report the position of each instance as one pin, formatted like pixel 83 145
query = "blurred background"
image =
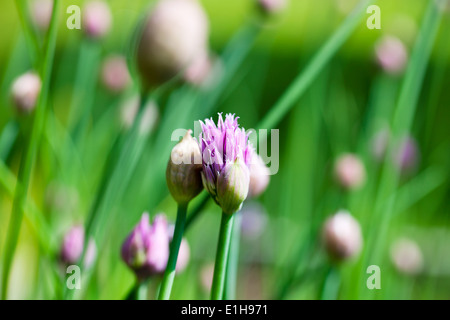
pixel 369 134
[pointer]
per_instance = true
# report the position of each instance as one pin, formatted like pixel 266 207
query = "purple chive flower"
pixel 391 55
pixel 72 247
pixel 25 92
pixel 146 249
pixel 97 19
pixel 115 75
pixel 226 157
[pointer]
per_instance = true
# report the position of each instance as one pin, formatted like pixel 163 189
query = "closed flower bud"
pixel 342 236
pixel 391 55
pixel 233 185
pixel 41 13
pixel 175 34
pixel 25 92
pixel 146 250
pixel 349 171
pixel 97 19
pixel 183 173
pixel 259 177
pixel 72 247
pixel 407 256
pixel 272 6
pixel 115 76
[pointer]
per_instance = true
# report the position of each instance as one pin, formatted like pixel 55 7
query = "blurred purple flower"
pixel 146 249
pixel 115 75
pixel 350 171
pixel 97 18
pixel 272 6
pixel 41 13
pixel 391 55
pixel 25 92
pixel 72 247
pixel 226 157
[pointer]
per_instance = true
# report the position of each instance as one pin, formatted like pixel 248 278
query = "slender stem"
pixel 233 259
pixel 27 161
pixel 169 274
pixel 139 291
pixel 223 248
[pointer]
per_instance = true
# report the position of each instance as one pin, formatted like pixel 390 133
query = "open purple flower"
pixel 226 157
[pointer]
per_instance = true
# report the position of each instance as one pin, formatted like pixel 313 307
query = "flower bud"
pixel 259 177
pixel 391 55
pixel 115 75
pixel 175 34
pixel 146 249
pixel 41 13
pixel 350 171
pixel 97 19
pixel 407 256
pixel 183 174
pixel 342 236
pixel 25 92
pixel 72 247
pixel 233 185
pixel 272 6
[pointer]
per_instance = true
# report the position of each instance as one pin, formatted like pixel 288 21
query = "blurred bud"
pixel 406 157
pixel 72 247
pixel 184 252
pixel 175 34
pixel 254 220
pixel 115 76
pixel 129 110
pixel 206 276
pixel 259 177
pixel 97 19
pixel 25 92
pixel 272 6
pixel 41 13
pixel 342 236
pixel 391 55
pixel 379 145
pixel 183 173
pixel 146 249
pixel 350 171
pixel 232 185
pixel 407 256
pixel 198 72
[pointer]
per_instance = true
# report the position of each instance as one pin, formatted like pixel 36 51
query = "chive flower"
pixel 226 159
pixel 25 92
pixel 342 236
pixel 96 19
pixel 72 247
pixel 146 249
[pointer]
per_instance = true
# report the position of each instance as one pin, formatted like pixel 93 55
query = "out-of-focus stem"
pixel 27 161
pixel 169 274
pixel 223 247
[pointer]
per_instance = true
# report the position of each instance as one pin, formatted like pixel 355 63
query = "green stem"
pixel 139 291
pixel 223 248
pixel 30 35
pixel 169 274
pixel 27 161
pixel 197 210
pixel 233 260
